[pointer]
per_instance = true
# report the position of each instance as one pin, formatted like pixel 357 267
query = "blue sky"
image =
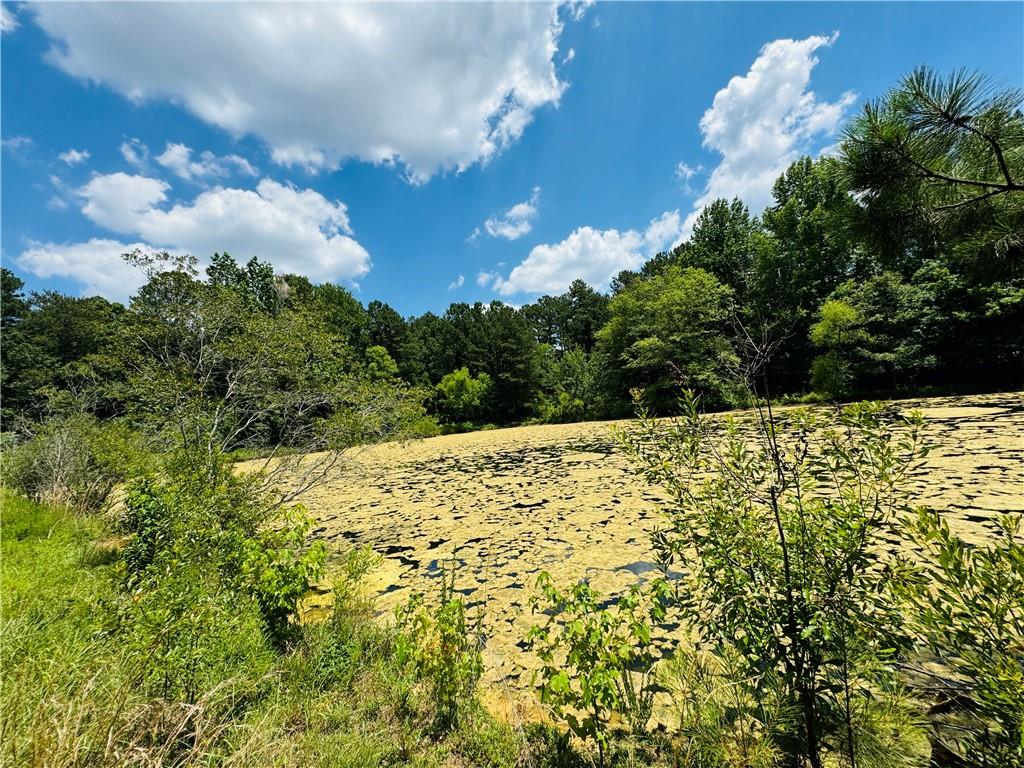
pixel 433 153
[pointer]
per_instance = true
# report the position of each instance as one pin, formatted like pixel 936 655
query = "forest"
pixel 159 622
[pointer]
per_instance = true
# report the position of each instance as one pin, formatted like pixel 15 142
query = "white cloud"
pixel 135 153
pixel 663 232
pixel 431 86
pixel 685 173
pixel 8 20
pixel 592 255
pixel 297 230
pixel 457 283
pixel 578 9
pixel 74 156
pixel 16 144
pixel 177 158
pixel 119 201
pixel 515 222
pixel 762 121
pixel 96 264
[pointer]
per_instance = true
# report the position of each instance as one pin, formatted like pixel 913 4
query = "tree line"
pixel 893 266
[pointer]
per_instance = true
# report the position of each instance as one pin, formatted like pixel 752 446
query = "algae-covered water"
pixel 507 504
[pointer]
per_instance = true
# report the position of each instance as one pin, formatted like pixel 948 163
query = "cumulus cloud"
pixel 119 201
pixel 177 158
pixel 97 265
pixel 515 222
pixel 297 230
pixel 74 156
pixel 431 86
pixel 457 283
pixel 592 255
pixel 762 121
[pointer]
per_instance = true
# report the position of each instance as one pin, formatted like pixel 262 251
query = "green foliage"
pixel 780 553
pixel 12 298
pixel 669 328
pixel 724 243
pixel 576 386
pixel 443 648
pixel 809 254
pixel 81 688
pixel 938 164
pixel 254 282
pixel 74 461
pixel 596 662
pixel 379 364
pixel 461 397
pixel 967 605
pixel 197 538
pixel 344 316
pixel 59 342
pixel 839 331
pixel 569 321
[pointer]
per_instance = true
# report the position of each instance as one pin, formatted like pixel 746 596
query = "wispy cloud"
pixel 513 223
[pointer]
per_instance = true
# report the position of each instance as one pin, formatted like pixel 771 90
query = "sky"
pixel 431 153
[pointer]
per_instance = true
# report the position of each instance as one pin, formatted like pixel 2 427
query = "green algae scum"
pixel 504 505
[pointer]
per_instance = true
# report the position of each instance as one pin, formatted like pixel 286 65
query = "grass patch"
pixel 74 691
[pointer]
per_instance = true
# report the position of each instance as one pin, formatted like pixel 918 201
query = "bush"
pixel 719 721
pixel 69 674
pixel 596 662
pixel 779 541
pixel 968 602
pixel 459 397
pixel 443 648
pixel 206 534
pixel 74 461
pixel 426 426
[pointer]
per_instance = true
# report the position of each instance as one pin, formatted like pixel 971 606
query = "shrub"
pixel 74 461
pixel 443 648
pixel 425 426
pixel 459 397
pixel 720 721
pixel 204 532
pixel 778 539
pixel 596 662
pixel 969 607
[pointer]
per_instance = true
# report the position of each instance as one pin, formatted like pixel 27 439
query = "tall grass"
pixel 73 690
